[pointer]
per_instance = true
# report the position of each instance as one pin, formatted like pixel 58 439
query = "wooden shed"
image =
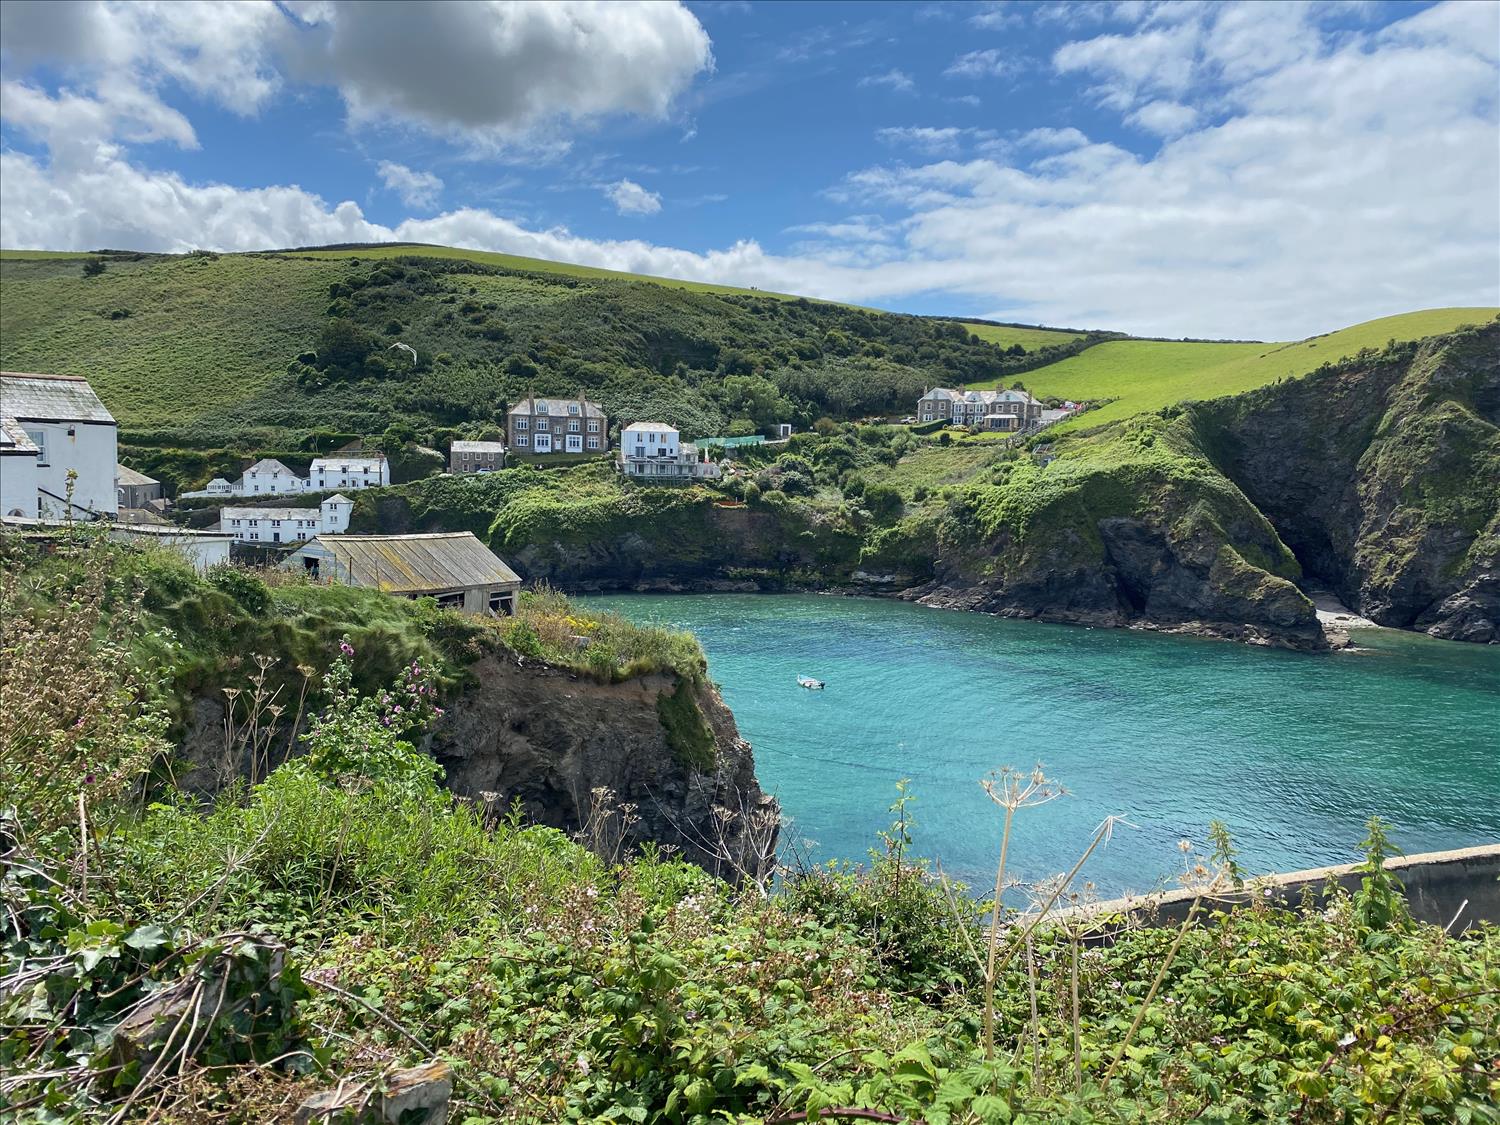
pixel 452 566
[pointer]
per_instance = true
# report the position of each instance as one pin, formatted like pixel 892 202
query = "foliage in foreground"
pixel 356 918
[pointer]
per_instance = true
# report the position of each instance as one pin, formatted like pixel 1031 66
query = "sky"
pixel 1267 170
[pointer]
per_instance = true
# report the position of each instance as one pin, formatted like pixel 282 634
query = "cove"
pixel 1293 751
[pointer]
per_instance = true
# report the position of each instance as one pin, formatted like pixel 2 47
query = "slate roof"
pixel 658 426
pixel 13 438
pixel 477 447
pixel 557 406
pixel 417 564
pixel 57 398
pixel 269 465
pixel 126 475
pixel 344 464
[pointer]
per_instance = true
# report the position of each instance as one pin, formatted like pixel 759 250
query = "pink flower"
pixel 346 648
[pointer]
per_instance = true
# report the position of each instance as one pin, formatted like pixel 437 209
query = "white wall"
pixel 90 450
pixel 203 551
pixel 652 442
pixel 18 481
pixel 333 516
pixel 329 474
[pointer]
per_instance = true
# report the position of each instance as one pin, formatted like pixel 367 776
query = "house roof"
pixel 361 462
pixel 556 406
pixel 218 480
pixel 270 465
pixel 252 512
pixel 417 564
pixel 13 438
pixel 54 398
pixel 940 392
pixel 477 447
pixel 126 475
pixel 649 426
pixel 338 497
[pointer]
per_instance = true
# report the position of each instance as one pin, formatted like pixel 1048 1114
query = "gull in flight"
pixel 405 348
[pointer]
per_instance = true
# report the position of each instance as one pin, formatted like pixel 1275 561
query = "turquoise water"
pixel 1292 751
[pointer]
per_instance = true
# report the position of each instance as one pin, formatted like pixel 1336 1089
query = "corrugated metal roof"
pixel 417 564
pixel 62 398
pixel 126 475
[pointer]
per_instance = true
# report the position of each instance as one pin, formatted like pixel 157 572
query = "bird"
pixel 404 348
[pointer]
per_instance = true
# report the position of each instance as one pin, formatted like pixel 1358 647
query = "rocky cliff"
pixel 1379 478
pixel 614 762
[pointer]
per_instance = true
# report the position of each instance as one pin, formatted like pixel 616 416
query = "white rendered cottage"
pixel 272 526
pixel 69 431
pixel 348 472
pixel 655 451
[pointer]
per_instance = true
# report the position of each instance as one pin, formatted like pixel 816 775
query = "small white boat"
pixel 809 683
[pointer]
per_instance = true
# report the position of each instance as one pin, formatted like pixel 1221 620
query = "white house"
pixel 347 472
pixel 19 474
pixel 654 451
pixel 269 477
pixel 72 432
pixel 269 526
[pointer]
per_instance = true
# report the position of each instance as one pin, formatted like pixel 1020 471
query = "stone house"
pixel 476 456
pixel 1003 411
pixel 557 425
pixel 135 490
pixel 655 451
pixel 68 431
pixel 453 567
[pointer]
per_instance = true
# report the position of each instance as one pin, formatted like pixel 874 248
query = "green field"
pixel 1143 375
pixel 1032 339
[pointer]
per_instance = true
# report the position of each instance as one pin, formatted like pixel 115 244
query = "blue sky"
pixel 1264 170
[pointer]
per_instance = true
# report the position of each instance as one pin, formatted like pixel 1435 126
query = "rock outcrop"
pixel 599 760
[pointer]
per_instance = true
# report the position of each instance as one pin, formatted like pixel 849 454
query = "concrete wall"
pixel 18 484
pixel 1437 884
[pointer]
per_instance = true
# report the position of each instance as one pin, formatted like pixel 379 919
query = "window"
pixel 255 535
pixel 275 523
pixel 572 408
pixel 523 423
pixel 593 426
pixel 541 424
pixel 522 440
pixel 234 523
pixel 593 443
pixel 39 439
pixel 541 408
pixel 572 425
pixel 640 450
pixel 451 601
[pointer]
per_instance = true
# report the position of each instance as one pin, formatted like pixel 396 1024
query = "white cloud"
pixel 1355 180
pixel 923 138
pixel 415 189
pixel 490 74
pixel 630 198
pixel 897 80
pixel 1164 118
pixel 996 14
pixel 497 73
pixel 988 63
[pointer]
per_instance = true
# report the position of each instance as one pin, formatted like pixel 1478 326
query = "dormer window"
pixel 541 408
pixel 572 408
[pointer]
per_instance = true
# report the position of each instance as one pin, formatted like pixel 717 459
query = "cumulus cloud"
pixel 497 72
pixel 415 189
pixel 1354 178
pixel 630 198
pixel 491 74
pixel 923 138
pixel 1164 118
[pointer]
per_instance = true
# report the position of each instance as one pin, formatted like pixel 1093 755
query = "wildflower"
pixel 346 648
pixel 437 711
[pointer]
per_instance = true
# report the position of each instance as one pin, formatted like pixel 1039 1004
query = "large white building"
pixel 655 451
pixel 270 526
pixel 269 477
pixel 69 431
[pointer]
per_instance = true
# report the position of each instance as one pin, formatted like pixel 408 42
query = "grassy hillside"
pixel 1032 339
pixel 1144 375
pixel 259 351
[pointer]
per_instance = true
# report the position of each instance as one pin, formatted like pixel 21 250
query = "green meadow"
pixel 1032 339
pixel 1145 375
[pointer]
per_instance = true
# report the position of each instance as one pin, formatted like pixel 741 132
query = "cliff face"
pixel 556 741
pixel 1384 479
pixel 1380 479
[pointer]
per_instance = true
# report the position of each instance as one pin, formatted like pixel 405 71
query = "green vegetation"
pixel 220 962
pixel 1017 335
pixel 604 645
pixel 1144 375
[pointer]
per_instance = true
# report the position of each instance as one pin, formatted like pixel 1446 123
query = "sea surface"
pixel 1292 751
